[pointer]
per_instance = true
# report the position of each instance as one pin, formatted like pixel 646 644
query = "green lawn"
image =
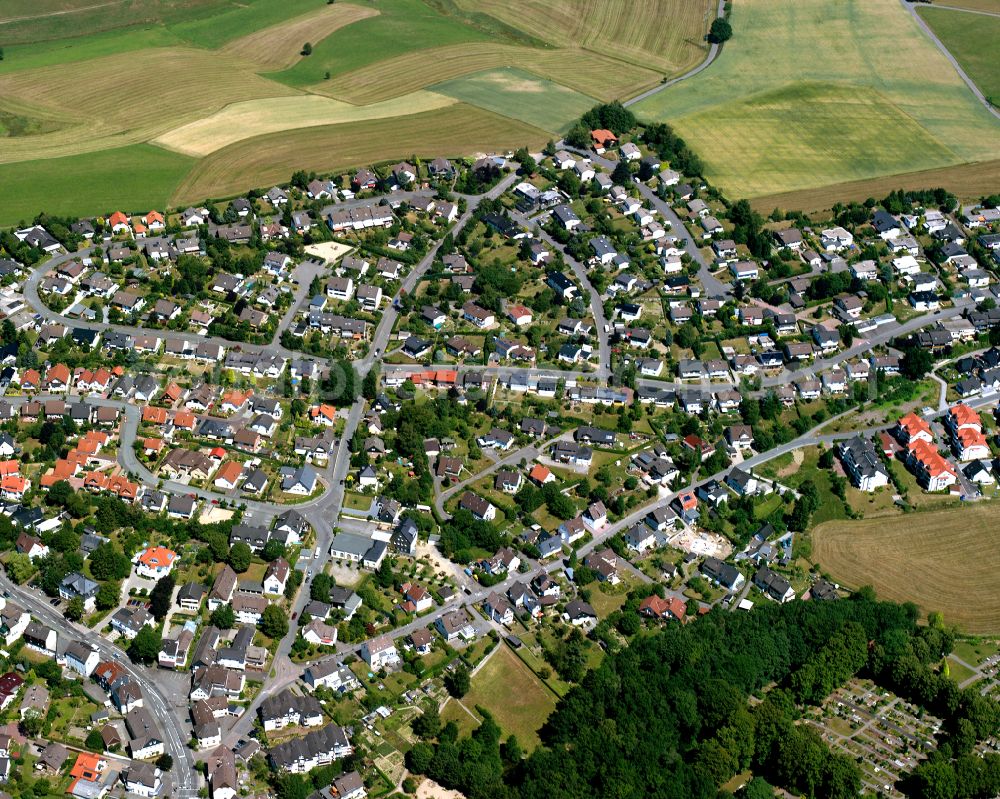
pixel 972 39
pixel 521 95
pixel 812 93
pixel 959 672
pixel 132 178
pixel 402 26
pixel 518 701
pixel 975 651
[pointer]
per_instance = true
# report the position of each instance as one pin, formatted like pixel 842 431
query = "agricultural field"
pixel 140 176
pixel 943 560
pixel 263 160
pixel 209 78
pixel 634 31
pixel 582 71
pixel 519 95
pixel 972 39
pixel 812 94
pixel 246 120
pixel 520 713
pixel 965 181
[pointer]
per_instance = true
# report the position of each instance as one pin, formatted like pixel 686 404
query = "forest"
pixel 671 715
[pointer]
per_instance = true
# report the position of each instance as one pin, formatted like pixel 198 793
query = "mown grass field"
pixel 456 130
pixel 972 39
pixel 279 47
pixel 140 176
pixel 519 95
pixel 947 561
pixel 513 695
pixel 810 93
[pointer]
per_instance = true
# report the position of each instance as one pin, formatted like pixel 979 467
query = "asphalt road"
pixel 185 779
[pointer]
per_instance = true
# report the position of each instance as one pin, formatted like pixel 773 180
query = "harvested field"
pixel 457 129
pixel 252 118
pixel 665 35
pixel 520 95
pixel 811 93
pixel 585 72
pixel 965 181
pixel 947 561
pixel 279 46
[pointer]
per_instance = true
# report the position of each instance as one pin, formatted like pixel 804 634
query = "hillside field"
pixel 208 78
pixel 810 93
pixel 455 130
pixel 972 39
pixel 947 561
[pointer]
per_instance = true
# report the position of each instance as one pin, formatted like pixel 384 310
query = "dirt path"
pixel 797 457
pixel 62 13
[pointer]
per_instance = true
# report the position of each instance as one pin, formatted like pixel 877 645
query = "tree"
pixel 107 562
pixel 621 174
pixel 240 556
pixel 307 49
pixel 145 647
pixel 273 550
pixel 458 682
pixel 223 617
pixel 94 741
pixel 165 762
pixel 319 589
pixel 916 363
pixel 274 622
pixel 720 31
pixel 19 568
pixel 294 786
pixel 75 609
pixel 427 724
pixel 160 597
pixel 108 595
pixel 31 724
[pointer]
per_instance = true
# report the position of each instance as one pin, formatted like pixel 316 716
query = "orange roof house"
pixel 154 219
pixel 323 413
pixel 30 378
pixel 228 474
pixel 58 376
pixel 151 415
pixel 659 608
pixel 155 562
pixel 185 420
pixel 961 416
pixel 152 446
pixel 912 427
pixel 88 767
pixel 603 138
pixel 13 487
pixel 172 393
pixel 234 400
pixel 540 474
pixel 117 218
pixel 62 470
pixel 8 468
